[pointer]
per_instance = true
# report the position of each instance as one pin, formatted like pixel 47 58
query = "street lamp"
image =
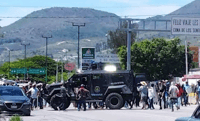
pixel 46 54
pixel 25 58
pixel 9 62
pixel 78 39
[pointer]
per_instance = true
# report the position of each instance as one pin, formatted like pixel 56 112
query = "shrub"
pixel 15 118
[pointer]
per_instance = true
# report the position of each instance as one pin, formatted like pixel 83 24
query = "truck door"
pixel 98 85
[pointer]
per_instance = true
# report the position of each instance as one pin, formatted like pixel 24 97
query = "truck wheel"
pixel 114 101
pixel 65 103
pixel 60 102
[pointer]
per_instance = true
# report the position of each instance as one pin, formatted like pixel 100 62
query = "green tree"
pixel 159 59
pixel 34 62
pixel 118 38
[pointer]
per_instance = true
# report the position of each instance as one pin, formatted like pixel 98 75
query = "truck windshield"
pixel 139 78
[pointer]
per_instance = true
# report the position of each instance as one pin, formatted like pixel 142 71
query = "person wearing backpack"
pixel 81 97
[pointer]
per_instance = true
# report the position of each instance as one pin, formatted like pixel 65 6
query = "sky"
pixel 12 10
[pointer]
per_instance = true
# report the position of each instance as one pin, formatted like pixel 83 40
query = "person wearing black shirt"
pixel 161 94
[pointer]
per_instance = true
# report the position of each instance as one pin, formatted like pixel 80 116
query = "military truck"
pixel 113 88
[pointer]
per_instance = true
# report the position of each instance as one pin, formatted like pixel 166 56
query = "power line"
pixel 114 16
pixel 59 17
pixel 135 6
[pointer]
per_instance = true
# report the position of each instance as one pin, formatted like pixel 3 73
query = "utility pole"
pixel 129 22
pixel 25 58
pixel 56 72
pixel 129 45
pixel 186 58
pixel 9 63
pixel 46 54
pixel 78 39
pixel 61 60
pixel 62 74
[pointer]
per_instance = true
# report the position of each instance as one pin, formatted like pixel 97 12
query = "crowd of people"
pixel 164 93
pixel 35 92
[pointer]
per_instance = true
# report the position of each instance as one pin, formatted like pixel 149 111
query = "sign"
pixel 88 56
pixel 107 58
pixel 40 71
pixel 196 53
pixel 69 66
pixel 88 53
pixel 18 70
pixel 184 25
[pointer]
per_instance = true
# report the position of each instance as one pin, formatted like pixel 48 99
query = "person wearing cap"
pixel 81 97
pixel 144 93
pixel 34 93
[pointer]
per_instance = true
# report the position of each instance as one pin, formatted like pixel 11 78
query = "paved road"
pixel 71 114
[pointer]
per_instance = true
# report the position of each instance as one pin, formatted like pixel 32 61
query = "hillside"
pixel 57 21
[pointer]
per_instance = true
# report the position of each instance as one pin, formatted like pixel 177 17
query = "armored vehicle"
pixel 113 88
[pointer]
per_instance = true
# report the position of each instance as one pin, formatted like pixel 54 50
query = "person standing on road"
pixel 144 93
pixel 179 95
pixel 161 92
pixel 187 90
pixel 173 92
pixel 151 95
pixel 198 92
pixel 81 97
pixel 34 93
pixel 40 100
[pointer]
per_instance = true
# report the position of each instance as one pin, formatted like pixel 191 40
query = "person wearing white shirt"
pixel 151 94
pixel 34 93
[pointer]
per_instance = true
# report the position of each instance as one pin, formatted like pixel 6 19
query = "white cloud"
pixel 14 12
pixel 147 11
pixel 129 2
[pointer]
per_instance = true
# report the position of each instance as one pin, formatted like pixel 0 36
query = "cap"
pixel 82 85
pixel 143 83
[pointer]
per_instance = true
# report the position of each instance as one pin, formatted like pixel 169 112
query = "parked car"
pixel 13 100
pixel 195 116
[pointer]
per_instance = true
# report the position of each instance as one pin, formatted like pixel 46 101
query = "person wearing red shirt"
pixel 180 93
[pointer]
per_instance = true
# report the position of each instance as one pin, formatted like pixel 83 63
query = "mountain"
pixel 57 22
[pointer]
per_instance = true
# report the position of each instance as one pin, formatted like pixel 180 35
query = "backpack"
pixel 82 94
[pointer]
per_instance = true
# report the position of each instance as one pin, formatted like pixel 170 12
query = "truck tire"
pixel 57 101
pixel 114 101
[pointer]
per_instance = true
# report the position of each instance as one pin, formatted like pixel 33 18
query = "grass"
pixel 15 118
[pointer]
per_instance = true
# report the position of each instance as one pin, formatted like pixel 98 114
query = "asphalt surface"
pixel 136 114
